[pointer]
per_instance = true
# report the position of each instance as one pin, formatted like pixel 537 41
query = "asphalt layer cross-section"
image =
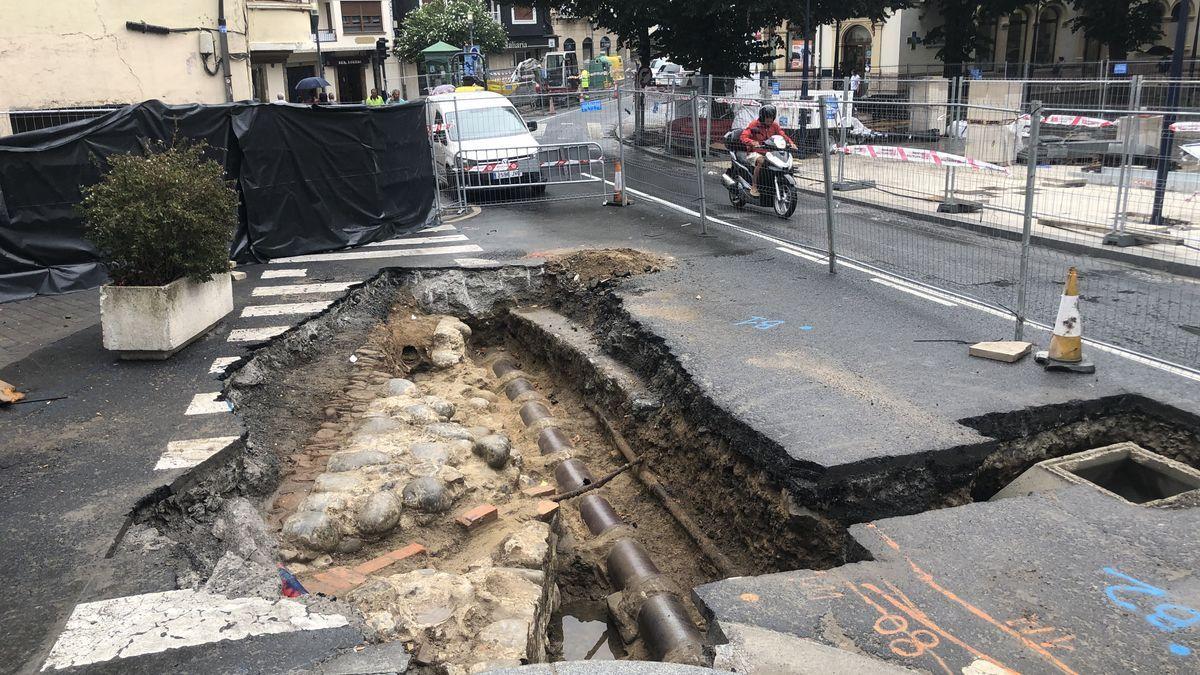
pixel 827 366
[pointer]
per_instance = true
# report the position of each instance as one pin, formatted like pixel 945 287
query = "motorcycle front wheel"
pixel 785 199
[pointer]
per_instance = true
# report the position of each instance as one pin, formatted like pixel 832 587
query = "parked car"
pixel 481 139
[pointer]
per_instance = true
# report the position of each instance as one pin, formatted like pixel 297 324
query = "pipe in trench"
pixel 662 619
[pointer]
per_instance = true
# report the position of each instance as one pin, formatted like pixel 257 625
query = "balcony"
pixel 324 35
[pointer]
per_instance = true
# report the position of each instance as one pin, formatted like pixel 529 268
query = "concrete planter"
pixel 154 322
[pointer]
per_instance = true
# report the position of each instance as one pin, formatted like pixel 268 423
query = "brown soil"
pixel 587 267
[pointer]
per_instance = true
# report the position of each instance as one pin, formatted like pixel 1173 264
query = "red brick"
pixel 374 564
pixel 406 552
pixel 539 491
pixel 334 581
pixel 546 509
pixel 485 513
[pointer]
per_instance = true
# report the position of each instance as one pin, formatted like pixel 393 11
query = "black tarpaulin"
pixel 312 180
pixel 368 170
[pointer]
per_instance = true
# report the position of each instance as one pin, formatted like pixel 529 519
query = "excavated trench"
pixel 351 410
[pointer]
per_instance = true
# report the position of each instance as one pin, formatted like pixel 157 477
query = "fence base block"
pixel 847 185
pixel 960 207
pixel 1043 359
pixel 1121 239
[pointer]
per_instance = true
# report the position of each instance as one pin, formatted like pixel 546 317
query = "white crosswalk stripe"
pixel 207 404
pixel 441 239
pixel 120 628
pixel 189 453
pixel 302 289
pixel 285 308
pixel 256 334
pixel 379 253
pixel 284 274
pixel 221 363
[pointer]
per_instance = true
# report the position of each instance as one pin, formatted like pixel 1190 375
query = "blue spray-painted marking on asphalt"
pixel 761 323
pixel 1167 617
pixel 805 327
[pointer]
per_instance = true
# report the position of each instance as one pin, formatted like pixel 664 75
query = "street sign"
pixel 1120 68
pixel 831 109
pixel 774 87
pixel 590 106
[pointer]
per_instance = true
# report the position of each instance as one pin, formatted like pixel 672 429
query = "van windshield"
pixel 479 123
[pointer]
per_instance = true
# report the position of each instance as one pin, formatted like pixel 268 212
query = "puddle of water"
pixel 586 635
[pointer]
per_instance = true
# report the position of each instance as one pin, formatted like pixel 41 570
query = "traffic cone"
pixel 618 198
pixel 1066 345
pixel 551 105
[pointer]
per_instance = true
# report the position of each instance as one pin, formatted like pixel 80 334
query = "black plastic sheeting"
pixel 312 179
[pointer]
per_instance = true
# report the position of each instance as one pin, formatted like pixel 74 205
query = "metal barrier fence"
pixel 988 203
pixel 535 147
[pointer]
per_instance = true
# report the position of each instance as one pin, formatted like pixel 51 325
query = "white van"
pixel 481 139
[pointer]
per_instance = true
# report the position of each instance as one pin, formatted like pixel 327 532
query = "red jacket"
pixel 756 132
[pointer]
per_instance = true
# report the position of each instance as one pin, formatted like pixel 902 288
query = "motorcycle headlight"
pixel 777 143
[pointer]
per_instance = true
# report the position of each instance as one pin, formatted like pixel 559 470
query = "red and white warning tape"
pixel 572 162
pixel 1185 126
pixel 494 166
pixel 919 156
pixel 433 128
pixel 1073 121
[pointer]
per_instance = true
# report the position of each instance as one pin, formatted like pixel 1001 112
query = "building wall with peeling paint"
pixel 64 53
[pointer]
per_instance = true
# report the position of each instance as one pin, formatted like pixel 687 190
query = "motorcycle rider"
pixel 753 137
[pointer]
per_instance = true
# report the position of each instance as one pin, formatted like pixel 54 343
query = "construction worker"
pixel 584 81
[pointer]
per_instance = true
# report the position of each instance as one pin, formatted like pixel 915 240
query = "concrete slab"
pixel 1062 583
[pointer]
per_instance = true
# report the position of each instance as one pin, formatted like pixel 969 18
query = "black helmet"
pixel 766 111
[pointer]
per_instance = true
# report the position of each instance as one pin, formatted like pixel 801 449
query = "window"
pixel 605 44
pixel 569 45
pixel 361 17
pixel 481 123
pixel 1043 51
pixel 1016 38
pixel 524 14
pixel 587 49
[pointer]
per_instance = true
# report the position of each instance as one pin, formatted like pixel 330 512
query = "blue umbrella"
pixel 311 83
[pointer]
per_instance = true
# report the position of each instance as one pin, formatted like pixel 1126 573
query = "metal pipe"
pixel 533 411
pixel 628 562
pixel 572 474
pixel 699 162
pixel 223 39
pixel 504 366
pixel 517 387
pixel 1035 122
pixel 663 621
pixel 598 514
pixel 552 440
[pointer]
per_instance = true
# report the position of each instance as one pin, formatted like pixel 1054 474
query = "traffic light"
pixel 381 48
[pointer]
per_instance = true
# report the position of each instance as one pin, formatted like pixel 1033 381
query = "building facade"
pixel 1037 34
pixel 76 54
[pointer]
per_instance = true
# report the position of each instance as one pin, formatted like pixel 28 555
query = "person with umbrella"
pixel 311 85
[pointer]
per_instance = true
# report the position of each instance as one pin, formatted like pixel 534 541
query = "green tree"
pixel 446 21
pixel 1122 25
pixel 960 33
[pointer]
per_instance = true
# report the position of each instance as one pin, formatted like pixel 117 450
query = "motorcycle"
pixel 776 182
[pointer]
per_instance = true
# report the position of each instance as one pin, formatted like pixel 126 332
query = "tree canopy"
pixel 1122 25
pixel 961 35
pixel 446 21
pixel 720 37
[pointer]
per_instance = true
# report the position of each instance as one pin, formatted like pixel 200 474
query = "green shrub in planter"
pixel 163 216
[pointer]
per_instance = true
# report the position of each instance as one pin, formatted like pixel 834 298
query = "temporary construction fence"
pixel 988 202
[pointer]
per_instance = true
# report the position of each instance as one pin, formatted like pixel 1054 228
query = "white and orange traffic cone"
pixel 618 198
pixel 1066 345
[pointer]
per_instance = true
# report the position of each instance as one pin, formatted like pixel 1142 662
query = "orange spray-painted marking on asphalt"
pixel 749 597
pixel 928 579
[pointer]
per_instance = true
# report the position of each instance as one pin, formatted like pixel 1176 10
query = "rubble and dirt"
pixel 376 429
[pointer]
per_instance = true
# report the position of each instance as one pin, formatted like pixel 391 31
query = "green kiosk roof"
pixel 441 48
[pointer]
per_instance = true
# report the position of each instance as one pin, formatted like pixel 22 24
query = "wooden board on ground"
pixel 1007 351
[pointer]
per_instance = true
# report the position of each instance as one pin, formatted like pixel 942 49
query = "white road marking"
pixel 474 262
pixel 155 622
pixel 285 308
pixel 1136 357
pixel 381 253
pixel 438 228
pixel 256 334
pixel 207 404
pixel 440 239
pixel 302 289
pixel 800 253
pixel 283 274
pixel 189 453
pixel 919 294
pixel 220 364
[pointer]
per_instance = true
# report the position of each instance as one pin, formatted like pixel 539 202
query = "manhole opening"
pixel 1136 478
